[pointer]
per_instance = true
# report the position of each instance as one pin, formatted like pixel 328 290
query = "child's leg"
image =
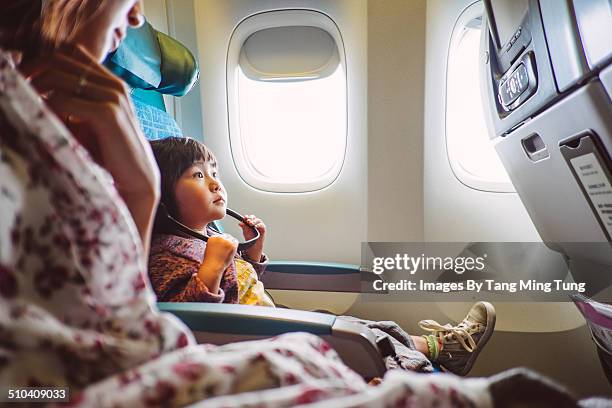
pixel 420 344
pixel 455 348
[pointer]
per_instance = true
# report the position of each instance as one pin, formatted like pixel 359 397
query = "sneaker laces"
pixel 447 332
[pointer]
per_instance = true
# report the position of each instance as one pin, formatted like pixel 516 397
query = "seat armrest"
pixel 226 323
pixel 248 320
pixel 312 268
pixel 312 276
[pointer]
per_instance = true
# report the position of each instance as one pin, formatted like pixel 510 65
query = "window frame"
pixel 242 31
pixel 472 12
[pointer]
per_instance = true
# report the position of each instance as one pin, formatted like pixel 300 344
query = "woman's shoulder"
pixel 189 248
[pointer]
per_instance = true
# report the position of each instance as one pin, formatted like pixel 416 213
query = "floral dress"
pixel 77 309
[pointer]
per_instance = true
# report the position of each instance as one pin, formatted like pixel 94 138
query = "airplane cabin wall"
pixel 396 78
pixel 326 225
pixel 393 162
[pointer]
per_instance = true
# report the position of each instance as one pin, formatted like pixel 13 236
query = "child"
pixel 185 269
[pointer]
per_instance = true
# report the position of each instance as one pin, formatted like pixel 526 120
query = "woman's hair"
pixel 37 27
pixel 174 155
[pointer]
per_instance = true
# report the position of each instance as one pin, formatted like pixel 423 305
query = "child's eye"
pixel 198 174
pixel 214 174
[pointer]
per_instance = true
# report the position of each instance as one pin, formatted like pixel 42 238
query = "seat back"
pixel 547 90
pixel 152 64
pixel 155 122
pixel 547 85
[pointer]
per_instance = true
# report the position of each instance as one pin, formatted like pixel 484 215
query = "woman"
pixel 77 192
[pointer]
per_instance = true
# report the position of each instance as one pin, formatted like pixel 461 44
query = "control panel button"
pixel 514 85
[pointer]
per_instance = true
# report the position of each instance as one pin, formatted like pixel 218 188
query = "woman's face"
pixel 200 196
pixel 107 27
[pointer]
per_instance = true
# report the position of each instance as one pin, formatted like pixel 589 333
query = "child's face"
pixel 200 196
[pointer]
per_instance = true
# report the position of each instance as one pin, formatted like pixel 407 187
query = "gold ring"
pixel 81 85
pixel 82 81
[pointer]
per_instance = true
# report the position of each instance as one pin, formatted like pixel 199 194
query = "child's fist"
pixel 220 251
pixel 221 248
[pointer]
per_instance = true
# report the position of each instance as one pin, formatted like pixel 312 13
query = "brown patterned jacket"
pixel 173 269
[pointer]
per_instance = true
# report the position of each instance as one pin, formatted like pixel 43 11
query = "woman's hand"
pixel 95 105
pixel 255 252
pixel 220 251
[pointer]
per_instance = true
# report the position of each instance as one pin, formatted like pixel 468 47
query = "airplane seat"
pixel 546 81
pixel 153 64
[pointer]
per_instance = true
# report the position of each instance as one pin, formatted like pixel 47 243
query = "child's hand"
pixel 252 221
pixel 255 252
pixel 220 251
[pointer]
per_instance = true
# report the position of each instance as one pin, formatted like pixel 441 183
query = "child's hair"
pixel 174 155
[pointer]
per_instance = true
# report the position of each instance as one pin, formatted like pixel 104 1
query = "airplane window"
pixel 288 106
pixel 293 131
pixel 471 154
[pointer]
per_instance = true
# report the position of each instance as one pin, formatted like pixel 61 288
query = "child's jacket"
pixel 173 267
